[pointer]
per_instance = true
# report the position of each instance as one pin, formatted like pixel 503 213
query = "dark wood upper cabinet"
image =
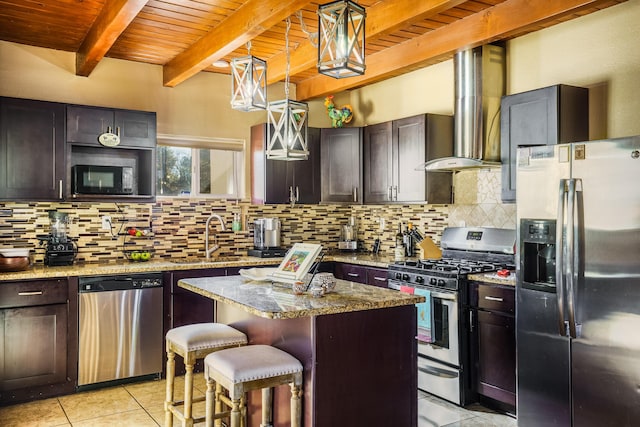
pixel 393 150
pixel 135 128
pixel 341 165
pixel 378 173
pixel 277 181
pixel 306 173
pixel 32 149
pixel 552 115
pixel 137 131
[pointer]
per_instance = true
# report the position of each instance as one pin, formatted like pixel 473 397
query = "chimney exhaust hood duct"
pixel 479 87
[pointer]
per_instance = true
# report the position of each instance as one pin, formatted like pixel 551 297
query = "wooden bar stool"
pixel 253 367
pixel 193 342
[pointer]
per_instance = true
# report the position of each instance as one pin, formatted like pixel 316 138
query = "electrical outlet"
pixel 106 222
pixel 381 219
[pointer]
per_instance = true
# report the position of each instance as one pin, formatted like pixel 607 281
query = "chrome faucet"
pixel 215 247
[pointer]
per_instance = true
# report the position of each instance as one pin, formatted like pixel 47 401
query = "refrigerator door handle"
pixel 573 237
pixel 560 251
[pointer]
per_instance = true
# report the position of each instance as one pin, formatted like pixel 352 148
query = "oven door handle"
pixel 444 295
pixel 442 373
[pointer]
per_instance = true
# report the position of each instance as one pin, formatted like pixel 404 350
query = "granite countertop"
pixel 127 267
pixel 494 278
pixel 41 271
pixel 277 301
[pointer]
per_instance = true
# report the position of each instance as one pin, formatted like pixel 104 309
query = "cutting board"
pixel 429 249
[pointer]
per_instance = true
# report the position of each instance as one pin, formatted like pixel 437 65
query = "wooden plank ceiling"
pixel 187 36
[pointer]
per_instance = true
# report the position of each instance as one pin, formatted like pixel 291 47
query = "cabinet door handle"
pixel 488 298
pixel 395 193
pixel 353 275
pixel 29 293
pixel 380 279
pixel 355 194
pixel 60 189
pixel 297 194
pixel 471 320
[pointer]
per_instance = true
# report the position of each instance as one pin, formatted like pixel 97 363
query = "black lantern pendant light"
pixel 341 26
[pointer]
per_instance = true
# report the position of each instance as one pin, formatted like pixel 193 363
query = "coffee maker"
pixel 59 248
pixel 266 239
pixel 349 236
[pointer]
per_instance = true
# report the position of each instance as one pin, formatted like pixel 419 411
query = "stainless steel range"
pixel 442 346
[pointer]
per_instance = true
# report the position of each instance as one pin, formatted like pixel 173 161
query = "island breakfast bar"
pixel 357 346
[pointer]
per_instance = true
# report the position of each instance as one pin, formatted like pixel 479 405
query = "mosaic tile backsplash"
pixel 177 226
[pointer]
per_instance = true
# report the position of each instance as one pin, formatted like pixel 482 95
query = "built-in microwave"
pixel 91 179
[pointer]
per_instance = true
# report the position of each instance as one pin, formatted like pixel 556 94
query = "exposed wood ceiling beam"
pixel 250 20
pixel 497 22
pixel 115 17
pixel 382 18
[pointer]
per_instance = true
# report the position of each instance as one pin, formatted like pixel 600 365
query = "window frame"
pixel 195 143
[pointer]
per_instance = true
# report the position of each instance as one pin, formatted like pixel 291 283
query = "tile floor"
pixel 141 405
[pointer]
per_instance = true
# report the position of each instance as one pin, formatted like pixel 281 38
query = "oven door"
pixel 444 345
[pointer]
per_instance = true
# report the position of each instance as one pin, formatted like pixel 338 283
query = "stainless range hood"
pixel 479 86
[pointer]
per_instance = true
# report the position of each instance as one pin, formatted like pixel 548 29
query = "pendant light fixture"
pixel 248 83
pixel 341 25
pixel 287 119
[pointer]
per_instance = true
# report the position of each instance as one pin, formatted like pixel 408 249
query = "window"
pixel 199 167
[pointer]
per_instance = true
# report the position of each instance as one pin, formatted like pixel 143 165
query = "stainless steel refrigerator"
pixel 578 284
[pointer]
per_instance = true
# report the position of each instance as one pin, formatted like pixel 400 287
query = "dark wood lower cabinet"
pixel 186 307
pixel 359 367
pixel 496 360
pixel 361 274
pixel 37 340
pixel 493 345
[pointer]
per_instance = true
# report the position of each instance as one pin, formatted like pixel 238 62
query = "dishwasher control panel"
pixel 119 282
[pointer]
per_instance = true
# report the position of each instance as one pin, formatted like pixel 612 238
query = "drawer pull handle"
pixel 353 275
pixel 382 279
pixel 27 294
pixel 494 299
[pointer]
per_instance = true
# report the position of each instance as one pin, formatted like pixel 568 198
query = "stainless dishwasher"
pixel 119 327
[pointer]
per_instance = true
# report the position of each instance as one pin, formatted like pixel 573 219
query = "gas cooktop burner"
pixel 448 265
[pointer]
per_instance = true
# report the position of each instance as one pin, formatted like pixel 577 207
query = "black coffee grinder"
pixel 59 248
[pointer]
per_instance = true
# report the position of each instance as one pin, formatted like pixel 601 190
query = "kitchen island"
pixel 357 345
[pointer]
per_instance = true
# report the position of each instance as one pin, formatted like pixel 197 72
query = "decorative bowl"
pixel 317 291
pixel 327 281
pixel 299 288
pixel 14 252
pixel 14 263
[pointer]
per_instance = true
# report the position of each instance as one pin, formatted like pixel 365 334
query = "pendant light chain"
pixel 286 48
pixel 313 37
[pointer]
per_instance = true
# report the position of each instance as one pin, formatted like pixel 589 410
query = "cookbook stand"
pixel 297 263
